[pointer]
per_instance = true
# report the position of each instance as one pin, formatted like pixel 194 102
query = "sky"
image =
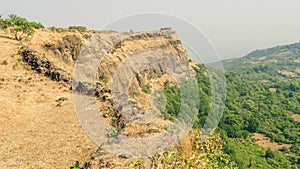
pixel 234 27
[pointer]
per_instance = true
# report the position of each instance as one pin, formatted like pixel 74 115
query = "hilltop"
pixel 39 125
pixel 268 64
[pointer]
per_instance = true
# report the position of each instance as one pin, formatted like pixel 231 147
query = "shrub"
pixel 19 60
pixel 78 28
pixel 37 25
pixel 253 124
pixel 54 29
pixel 1 22
pixel 146 89
pixel 112 133
pixel 84 165
pixel 4 62
pixel 284 149
pixel 270 153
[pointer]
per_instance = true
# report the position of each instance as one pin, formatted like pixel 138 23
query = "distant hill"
pixel 268 64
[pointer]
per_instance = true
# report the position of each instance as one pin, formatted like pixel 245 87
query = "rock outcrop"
pixel 42 65
pixel 151 57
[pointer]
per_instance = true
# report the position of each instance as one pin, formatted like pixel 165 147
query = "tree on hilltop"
pixel 19 27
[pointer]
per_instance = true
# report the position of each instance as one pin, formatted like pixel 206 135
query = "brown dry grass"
pixel 284 53
pixel 273 90
pixel 47 36
pixel 252 63
pixel 287 73
pixel 262 58
pixel 264 81
pixel 265 142
pixel 34 132
pixel 272 61
pixel 296 117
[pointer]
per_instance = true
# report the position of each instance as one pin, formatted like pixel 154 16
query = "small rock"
pixel 125 156
pixel 153 131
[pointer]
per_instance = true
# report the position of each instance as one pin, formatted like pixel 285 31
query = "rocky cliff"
pixel 53 53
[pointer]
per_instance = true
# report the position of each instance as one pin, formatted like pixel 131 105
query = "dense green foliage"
pixel 248 154
pixel 173 97
pixel 251 107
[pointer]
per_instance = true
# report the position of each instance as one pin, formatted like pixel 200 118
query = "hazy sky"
pixel 235 27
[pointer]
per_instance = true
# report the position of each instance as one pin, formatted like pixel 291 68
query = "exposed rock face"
pixel 124 46
pixel 43 66
pixel 120 47
pixel 68 48
pixel 155 54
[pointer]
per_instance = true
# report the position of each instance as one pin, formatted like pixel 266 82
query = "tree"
pixel 1 22
pixel 270 153
pixel 20 27
pixel 253 124
pixel 233 125
pixel 294 86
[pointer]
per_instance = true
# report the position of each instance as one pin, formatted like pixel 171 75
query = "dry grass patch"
pixel 273 90
pixel 297 61
pixel 287 73
pixel 272 61
pixel 265 142
pixel 284 53
pixel 265 81
pixel 296 117
pixel 252 63
pixel 262 58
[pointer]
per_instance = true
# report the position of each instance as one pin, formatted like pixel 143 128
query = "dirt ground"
pixel 265 141
pixel 284 72
pixel 34 131
pixel 296 117
pixel 273 90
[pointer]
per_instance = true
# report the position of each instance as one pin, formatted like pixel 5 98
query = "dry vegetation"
pixel 296 117
pixel 287 73
pixel 266 142
pixel 34 131
pixel 273 90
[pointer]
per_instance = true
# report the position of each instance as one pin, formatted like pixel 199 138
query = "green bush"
pixel 84 165
pixel 146 89
pixel 270 153
pixel 36 25
pixel 78 28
